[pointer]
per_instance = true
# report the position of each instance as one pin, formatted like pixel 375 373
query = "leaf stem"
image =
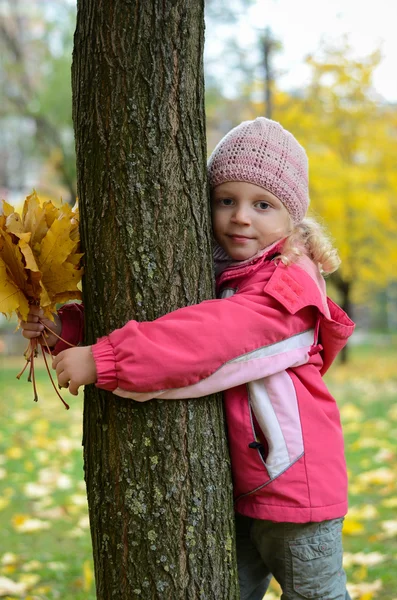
pixel 31 367
pixel 28 351
pixel 48 370
pixel 56 335
pixel 32 373
pixel 23 370
pixel 32 351
pixel 27 354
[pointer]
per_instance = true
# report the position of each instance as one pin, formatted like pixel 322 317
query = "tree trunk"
pixel 268 44
pixel 344 288
pixel 157 474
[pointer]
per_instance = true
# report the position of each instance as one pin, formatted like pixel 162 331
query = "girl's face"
pixel 246 218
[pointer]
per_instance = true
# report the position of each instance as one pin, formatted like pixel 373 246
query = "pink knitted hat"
pixel 265 154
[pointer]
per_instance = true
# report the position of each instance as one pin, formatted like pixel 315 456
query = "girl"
pixel 266 342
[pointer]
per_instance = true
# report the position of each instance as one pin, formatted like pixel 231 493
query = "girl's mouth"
pixel 239 239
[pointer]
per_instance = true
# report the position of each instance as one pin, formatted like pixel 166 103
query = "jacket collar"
pixel 226 268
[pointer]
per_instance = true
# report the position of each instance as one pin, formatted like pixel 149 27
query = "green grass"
pixel 366 390
pixel 41 477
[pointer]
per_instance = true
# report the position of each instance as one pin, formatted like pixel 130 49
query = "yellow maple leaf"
pixel 74 259
pixel 11 297
pixel 56 245
pixel 30 261
pixel 51 213
pixel 7 209
pixel 12 257
pixel 14 224
pixel 31 212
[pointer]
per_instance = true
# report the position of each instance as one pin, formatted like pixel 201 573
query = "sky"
pixel 301 24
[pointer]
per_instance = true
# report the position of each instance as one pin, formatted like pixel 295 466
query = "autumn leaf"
pixel 7 209
pixel 14 225
pixel 26 524
pixel 11 297
pixel 7 586
pixel 56 246
pixel 352 526
pixel 12 256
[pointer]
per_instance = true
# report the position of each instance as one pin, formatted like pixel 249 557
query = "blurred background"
pixel 326 71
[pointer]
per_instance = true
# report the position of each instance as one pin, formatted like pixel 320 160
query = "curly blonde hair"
pixel 310 237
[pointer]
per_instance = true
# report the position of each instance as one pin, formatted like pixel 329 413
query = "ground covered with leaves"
pixel 45 545
pixel 366 390
pixel 45 548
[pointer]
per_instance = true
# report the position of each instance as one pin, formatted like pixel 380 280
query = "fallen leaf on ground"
pixel 361 558
pixel 26 524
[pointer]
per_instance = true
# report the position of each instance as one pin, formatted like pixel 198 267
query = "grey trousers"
pixel 305 559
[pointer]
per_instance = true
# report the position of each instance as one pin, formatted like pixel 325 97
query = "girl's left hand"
pixel 75 367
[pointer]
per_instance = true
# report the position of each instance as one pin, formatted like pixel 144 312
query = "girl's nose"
pixel 241 216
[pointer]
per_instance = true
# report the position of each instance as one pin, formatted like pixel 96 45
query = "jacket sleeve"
pixel 201 349
pixel 72 319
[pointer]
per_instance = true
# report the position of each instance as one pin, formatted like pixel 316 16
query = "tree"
pixel 353 184
pixel 36 50
pixel 270 45
pixel 157 474
pixel 350 137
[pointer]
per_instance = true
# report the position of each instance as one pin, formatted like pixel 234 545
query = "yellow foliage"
pixel 351 145
pixel 14 452
pixel 88 575
pixel 350 139
pixel 39 256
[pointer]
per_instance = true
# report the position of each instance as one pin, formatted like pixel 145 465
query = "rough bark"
pixel 157 474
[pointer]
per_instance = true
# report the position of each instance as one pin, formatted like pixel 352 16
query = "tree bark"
pixel 157 474
pixel 344 288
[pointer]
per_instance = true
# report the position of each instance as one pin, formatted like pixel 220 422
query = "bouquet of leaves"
pixel 40 264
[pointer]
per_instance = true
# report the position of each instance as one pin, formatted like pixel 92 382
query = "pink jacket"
pixel 266 342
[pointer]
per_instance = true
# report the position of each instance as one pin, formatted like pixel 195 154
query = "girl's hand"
pixel 33 329
pixel 75 367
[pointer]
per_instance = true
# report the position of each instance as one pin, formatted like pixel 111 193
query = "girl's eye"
pixel 263 205
pixel 226 201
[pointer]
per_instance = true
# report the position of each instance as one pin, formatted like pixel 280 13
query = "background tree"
pixel 157 474
pixel 36 47
pixel 350 137
pixel 353 182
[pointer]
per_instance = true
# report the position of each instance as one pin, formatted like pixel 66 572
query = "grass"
pixel 366 390
pixel 45 546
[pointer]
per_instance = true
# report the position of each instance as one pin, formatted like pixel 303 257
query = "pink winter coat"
pixel 266 342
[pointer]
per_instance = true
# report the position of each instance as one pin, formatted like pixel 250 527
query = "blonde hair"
pixel 310 237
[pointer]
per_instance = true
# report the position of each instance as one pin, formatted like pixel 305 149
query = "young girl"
pixel 266 342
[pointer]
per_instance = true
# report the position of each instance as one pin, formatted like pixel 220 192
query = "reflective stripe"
pixel 248 367
pixel 275 405
pixel 300 340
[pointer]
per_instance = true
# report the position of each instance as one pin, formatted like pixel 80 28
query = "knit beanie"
pixel 262 152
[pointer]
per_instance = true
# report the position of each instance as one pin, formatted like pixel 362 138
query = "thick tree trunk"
pixel 157 474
